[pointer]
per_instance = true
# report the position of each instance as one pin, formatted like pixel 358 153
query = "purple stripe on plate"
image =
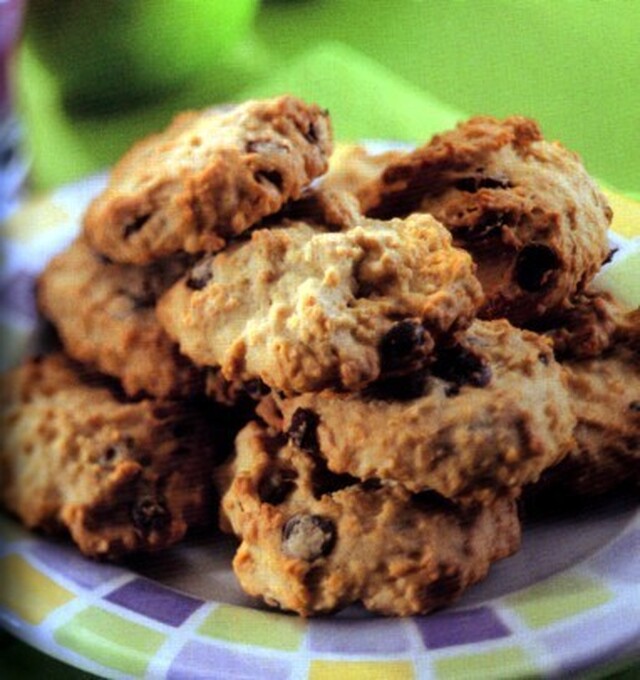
pixel 367 637
pixel 447 629
pixel 17 294
pixel 621 559
pixel 68 562
pixel 197 660
pixel 155 601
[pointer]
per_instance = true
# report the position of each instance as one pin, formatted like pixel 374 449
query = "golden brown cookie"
pixel 302 308
pixel 533 219
pixel 605 395
pixel 105 315
pixel 487 416
pixel 120 476
pixel 314 542
pixel 206 178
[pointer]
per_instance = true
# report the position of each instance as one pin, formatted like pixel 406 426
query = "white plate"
pixel 569 600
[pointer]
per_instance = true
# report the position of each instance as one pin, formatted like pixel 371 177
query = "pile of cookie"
pixel 400 345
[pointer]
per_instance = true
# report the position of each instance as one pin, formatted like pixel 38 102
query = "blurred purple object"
pixel 10 21
pixel 12 167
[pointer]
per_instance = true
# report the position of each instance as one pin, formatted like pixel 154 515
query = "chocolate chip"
pixel 535 266
pixel 200 275
pixel 136 225
pixel 400 345
pixel 474 183
pixel 303 431
pixel 308 537
pixel 150 514
pixel 460 366
pixel 276 486
pixel 635 406
pixel 270 177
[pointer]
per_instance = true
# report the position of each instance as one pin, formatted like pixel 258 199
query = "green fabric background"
pixel 400 69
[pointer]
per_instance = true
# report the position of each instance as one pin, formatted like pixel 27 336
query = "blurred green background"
pixel 93 76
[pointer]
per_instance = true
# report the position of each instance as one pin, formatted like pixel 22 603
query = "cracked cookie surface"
pixel 302 308
pixel 105 315
pixel 206 178
pixel 313 542
pixel 525 208
pixel 120 476
pixel 486 416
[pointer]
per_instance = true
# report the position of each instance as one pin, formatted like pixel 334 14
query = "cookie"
pixel 585 325
pixel 605 395
pixel 487 416
pixel 313 542
pixel 119 476
pixel 105 315
pixel 301 308
pixel 526 209
pixel 206 178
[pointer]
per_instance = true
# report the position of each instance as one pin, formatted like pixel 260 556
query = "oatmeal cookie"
pixel 105 315
pixel 605 395
pixel 534 221
pixel 487 416
pixel 314 542
pixel 119 476
pixel 302 308
pixel 209 176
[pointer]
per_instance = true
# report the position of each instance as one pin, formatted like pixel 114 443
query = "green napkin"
pixel 366 99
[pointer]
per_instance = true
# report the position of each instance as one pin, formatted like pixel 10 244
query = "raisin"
pixel 635 406
pixel 460 366
pixel 308 537
pixel 399 388
pixel 401 344
pixel 150 514
pixel 303 431
pixel 535 266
